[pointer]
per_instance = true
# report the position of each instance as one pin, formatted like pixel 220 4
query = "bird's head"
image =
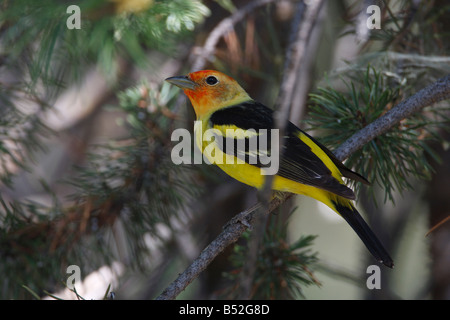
pixel 210 90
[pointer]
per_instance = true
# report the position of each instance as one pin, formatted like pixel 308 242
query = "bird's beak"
pixel 183 82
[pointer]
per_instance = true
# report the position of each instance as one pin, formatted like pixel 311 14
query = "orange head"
pixel 210 90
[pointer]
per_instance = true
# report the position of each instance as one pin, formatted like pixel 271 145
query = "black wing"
pixel 297 161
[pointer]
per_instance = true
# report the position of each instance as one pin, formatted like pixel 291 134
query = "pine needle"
pixel 437 225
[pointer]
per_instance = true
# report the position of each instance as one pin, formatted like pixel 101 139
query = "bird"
pixel 305 166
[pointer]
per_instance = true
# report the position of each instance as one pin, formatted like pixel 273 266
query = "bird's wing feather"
pixel 297 161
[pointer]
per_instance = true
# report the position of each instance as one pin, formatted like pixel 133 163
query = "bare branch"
pixel 223 28
pixel 301 30
pixel 294 61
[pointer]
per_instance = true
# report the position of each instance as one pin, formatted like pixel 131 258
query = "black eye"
pixel 211 80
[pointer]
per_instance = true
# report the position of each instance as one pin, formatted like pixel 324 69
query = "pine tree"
pixel 98 188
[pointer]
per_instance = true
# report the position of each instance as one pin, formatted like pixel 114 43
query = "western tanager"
pixel 305 166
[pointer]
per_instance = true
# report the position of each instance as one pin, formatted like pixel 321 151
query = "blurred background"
pixel 85 144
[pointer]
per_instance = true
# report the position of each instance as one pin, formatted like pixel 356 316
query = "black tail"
pixel 354 219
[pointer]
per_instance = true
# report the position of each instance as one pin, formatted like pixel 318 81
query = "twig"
pixel 221 29
pixel 440 223
pixel 438 91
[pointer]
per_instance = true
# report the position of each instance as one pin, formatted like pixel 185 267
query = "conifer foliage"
pixel 101 189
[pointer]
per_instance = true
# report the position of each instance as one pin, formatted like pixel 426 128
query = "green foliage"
pixel 389 160
pixel 410 27
pixel 282 269
pixel 137 172
pixel 127 188
pixel 24 230
pixel 108 31
pixel 20 129
pixel 39 54
pixel 129 185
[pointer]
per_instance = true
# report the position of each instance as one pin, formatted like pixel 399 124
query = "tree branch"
pixel 222 29
pixel 438 91
pixel 301 29
pixel 230 234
